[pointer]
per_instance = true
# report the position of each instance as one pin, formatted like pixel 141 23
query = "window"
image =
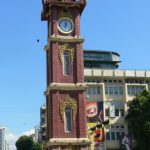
pixel 117 112
pixel 117 135
pixel 107 112
pixel 106 90
pixel 108 135
pixel 120 90
pixel 110 90
pixel 114 90
pixel 66 63
pixel 133 90
pixel 68 119
pixel 122 112
pixel 93 91
pixel 112 135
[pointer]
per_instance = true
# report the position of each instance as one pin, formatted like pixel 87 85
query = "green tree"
pixel 37 146
pixel 27 143
pixel 139 120
pixel 24 143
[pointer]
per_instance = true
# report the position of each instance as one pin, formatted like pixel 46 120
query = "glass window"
pixel 122 127
pixel 122 134
pixel 133 90
pixel 117 135
pixel 110 90
pixel 68 120
pixel 106 90
pixel 120 90
pixel 116 112
pixel 108 135
pixel 66 64
pixel 94 90
pixel 122 112
pixel 98 90
pixel 107 112
pixel 129 90
pixel 112 135
pixel 116 92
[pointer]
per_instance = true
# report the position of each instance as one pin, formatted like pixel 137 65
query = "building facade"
pixel 101 59
pixel 114 89
pixel 2 138
pixel 42 133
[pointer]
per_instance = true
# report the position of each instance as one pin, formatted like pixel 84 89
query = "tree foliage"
pixel 37 146
pixel 27 143
pixel 139 120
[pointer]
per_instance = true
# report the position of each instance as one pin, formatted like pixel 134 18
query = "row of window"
pixel 114 90
pixel 105 81
pixel 118 81
pixel 93 91
pixel 117 112
pixel 114 136
pixel 115 126
pixel 133 90
pixel 138 81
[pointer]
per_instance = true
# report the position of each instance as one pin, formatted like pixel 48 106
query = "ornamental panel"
pixel 64 48
pixel 68 102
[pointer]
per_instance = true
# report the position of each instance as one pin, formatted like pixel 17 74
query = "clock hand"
pixel 65 23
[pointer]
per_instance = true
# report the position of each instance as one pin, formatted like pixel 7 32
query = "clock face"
pixel 65 25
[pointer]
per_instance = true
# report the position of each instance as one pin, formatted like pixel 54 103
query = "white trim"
pixel 66 141
pixel 68 20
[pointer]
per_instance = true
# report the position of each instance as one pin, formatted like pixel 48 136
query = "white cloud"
pixel 11 139
pixel 30 132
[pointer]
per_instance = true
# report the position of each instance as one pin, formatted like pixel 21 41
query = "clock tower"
pixel 65 99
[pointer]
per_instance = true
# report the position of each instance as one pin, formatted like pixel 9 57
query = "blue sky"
pixel 115 25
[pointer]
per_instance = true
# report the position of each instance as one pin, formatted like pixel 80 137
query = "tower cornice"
pixel 65 87
pixel 70 39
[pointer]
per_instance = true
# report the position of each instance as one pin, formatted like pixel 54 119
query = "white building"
pixel 114 89
pixel 2 138
pixel 110 90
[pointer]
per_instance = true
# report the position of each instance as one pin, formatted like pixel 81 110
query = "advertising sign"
pixel 95 130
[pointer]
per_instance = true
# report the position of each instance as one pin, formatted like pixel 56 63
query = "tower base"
pixel 68 144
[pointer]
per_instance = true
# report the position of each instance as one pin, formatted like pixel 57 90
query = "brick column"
pixel 82 115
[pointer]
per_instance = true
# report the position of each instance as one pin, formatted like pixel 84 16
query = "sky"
pixel 122 26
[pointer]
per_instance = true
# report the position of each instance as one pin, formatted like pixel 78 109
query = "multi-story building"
pixel 2 138
pixel 101 59
pixel 42 138
pixel 110 90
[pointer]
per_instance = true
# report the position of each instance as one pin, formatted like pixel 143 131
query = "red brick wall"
pixel 55 68
pixel 55 121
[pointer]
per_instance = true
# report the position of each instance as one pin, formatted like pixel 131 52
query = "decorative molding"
pixel 68 39
pixel 64 5
pixel 65 14
pixel 68 102
pixel 65 86
pixel 64 48
pixel 68 141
